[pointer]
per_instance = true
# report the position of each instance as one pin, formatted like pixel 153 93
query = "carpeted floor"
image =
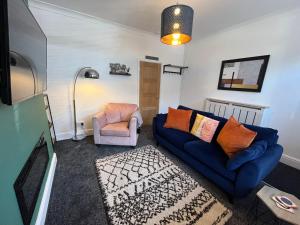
pixel 76 197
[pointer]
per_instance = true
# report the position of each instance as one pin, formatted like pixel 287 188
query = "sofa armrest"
pixel 253 172
pixel 158 120
pixel 99 121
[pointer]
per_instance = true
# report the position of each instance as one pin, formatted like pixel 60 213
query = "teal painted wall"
pixel 20 128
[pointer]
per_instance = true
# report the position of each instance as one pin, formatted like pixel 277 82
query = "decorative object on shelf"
pixel 176 69
pixel 244 74
pixel 118 69
pixel 90 73
pixel 176 24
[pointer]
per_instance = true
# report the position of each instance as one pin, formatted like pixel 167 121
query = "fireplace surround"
pixel 28 184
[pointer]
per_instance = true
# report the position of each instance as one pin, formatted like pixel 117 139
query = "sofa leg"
pixel 157 143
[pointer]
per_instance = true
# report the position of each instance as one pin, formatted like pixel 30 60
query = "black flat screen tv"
pixel 23 53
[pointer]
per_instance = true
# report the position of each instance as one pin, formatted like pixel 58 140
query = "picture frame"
pixel 243 74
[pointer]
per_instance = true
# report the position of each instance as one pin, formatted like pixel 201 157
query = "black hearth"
pixel 29 182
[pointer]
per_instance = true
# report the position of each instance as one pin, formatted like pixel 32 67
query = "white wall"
pixel 76 40
pixel 277 35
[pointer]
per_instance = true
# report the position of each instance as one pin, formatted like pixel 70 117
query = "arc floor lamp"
pixel 90 73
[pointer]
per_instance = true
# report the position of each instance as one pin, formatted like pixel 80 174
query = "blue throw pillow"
pixel 256 150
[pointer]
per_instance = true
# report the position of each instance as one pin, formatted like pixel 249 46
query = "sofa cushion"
pixel 178 119
pixel 268 134
pixel 211 155
pixel 263 133
pixel 115 129
pixel 204 128
pixel 175 137
pixel 256 150
pixel 234 137
pixel 194 114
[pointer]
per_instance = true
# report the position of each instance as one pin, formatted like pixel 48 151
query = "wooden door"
pixel 149 90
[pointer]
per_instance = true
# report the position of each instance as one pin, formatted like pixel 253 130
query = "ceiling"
pixel 210 15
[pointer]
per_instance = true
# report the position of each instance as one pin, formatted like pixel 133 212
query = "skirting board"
pixel 70 134
pixel 41 217
pixel 291 161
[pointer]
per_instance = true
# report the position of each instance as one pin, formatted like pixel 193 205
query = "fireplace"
pixel 28 184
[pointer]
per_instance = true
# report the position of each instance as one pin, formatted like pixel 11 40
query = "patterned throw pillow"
pixel 204 128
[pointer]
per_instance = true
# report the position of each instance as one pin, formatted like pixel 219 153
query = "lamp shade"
pixel 177 25
pixel 92 74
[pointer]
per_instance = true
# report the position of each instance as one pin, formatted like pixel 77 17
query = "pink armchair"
pixel 117 125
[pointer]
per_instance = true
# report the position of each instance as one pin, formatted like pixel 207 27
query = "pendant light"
pixel 176 24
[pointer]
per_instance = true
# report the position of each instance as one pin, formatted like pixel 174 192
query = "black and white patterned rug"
pixel 143 186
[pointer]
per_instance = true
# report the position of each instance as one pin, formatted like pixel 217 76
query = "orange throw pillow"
pixel 178 119
pixel 234 137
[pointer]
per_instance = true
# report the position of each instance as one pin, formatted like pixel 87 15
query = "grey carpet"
pixel 76 197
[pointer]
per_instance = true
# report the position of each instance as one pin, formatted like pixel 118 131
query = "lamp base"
pixel 79 137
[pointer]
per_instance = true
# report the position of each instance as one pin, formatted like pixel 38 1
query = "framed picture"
pixel 244 74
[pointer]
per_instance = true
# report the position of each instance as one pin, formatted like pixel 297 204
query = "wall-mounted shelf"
pixel 175 69
pixel 122 74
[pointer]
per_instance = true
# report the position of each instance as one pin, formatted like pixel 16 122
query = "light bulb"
pixel 176 36
pixel 177 11
pixel 176 26
pixel 175 42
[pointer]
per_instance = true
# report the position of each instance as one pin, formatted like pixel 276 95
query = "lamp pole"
pixel 75 138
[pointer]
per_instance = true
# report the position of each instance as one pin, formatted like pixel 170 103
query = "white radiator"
pixel 244 113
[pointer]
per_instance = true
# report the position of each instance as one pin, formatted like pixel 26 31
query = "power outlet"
pixel 81 124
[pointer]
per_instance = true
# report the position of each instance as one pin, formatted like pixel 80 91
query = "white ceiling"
pixel 210 15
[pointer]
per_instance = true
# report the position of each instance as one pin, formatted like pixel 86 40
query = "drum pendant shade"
pixel 176 25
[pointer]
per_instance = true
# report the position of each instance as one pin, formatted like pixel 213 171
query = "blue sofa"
pixel 210 160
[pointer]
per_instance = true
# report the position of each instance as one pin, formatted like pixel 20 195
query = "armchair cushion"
pixel 112 116
pixel 119 112
pixel 116 129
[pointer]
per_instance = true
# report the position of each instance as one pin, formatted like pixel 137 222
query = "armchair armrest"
pixel 99 121
pixel 133 130
pixel 253 172
pixel 138 117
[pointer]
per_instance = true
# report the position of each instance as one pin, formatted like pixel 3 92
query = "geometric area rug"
pixel 143 186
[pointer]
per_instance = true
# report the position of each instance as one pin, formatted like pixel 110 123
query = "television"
pixel 23 53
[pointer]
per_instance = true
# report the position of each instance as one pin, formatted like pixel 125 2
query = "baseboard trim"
pixel 291 161
pixel 70 134
pixel 41 217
